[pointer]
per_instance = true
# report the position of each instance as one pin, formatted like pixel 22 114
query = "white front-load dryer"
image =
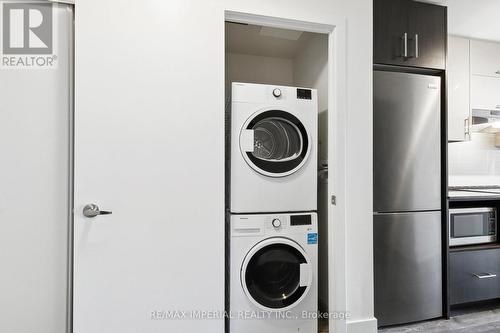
pixel 273 273
pixel 273 156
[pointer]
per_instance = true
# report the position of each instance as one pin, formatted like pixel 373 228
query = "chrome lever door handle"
pixel 92 210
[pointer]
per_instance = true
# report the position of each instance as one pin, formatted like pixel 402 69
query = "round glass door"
pixel 280 143
pixel 271 274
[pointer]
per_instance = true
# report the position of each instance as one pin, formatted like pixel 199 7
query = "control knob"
pixel 277 92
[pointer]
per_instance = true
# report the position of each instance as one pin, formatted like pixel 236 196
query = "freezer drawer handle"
pixel 485 276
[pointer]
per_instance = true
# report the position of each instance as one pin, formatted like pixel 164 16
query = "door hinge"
pixel 334 200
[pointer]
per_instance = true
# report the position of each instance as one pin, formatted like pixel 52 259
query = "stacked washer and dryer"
pixel 272 220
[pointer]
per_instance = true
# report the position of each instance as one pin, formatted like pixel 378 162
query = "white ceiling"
pixel 474 18
pixel 248 39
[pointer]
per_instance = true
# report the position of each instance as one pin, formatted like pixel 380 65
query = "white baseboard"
pixel 362 326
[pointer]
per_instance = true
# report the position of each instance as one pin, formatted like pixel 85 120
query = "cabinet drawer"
pixel 485 58
pixel 474 276
pixel 485 92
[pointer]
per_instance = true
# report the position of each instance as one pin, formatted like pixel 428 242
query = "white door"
pixel 149 147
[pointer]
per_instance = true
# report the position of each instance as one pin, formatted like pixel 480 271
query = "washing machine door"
pixel 275 143
pixel 276 274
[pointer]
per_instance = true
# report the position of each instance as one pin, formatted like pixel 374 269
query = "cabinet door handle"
pixel 405 45
pixel 466 128
pixel 482 276
pixel 416 45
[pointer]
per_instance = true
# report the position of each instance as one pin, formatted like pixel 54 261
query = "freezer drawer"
pixel 408 267
pixel 474 276
pixel 407 142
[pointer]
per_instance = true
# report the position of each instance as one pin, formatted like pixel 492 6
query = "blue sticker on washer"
pixel 312 238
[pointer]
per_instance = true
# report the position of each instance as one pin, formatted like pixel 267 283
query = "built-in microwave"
pixel 473 226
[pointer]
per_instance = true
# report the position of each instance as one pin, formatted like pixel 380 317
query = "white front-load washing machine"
pixel 273 155
pixel 273 273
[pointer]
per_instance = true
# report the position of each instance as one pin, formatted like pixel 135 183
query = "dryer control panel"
pixel 304 93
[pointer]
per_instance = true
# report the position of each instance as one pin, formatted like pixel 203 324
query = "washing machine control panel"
pixel 273 224
pixel 286 223
pixel 276 223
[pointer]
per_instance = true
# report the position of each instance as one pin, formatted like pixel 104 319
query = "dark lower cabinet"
pixel 474 276
pixel 409 33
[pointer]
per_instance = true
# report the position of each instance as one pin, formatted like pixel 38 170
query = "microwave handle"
pixel 482 276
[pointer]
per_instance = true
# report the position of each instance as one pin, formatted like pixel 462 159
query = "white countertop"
pixel 474 180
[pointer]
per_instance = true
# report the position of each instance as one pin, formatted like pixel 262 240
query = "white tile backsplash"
pixel 476 162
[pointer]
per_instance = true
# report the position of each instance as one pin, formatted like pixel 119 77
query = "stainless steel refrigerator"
pixel 407 197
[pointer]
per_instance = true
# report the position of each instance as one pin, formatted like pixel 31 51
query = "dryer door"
pixel 276 274
pixel 275 143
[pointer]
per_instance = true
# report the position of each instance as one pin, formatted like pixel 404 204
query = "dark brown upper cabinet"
pixel 409 33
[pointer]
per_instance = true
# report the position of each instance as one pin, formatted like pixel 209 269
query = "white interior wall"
pixel 187 45
pixel 310 67
pixel 257 69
